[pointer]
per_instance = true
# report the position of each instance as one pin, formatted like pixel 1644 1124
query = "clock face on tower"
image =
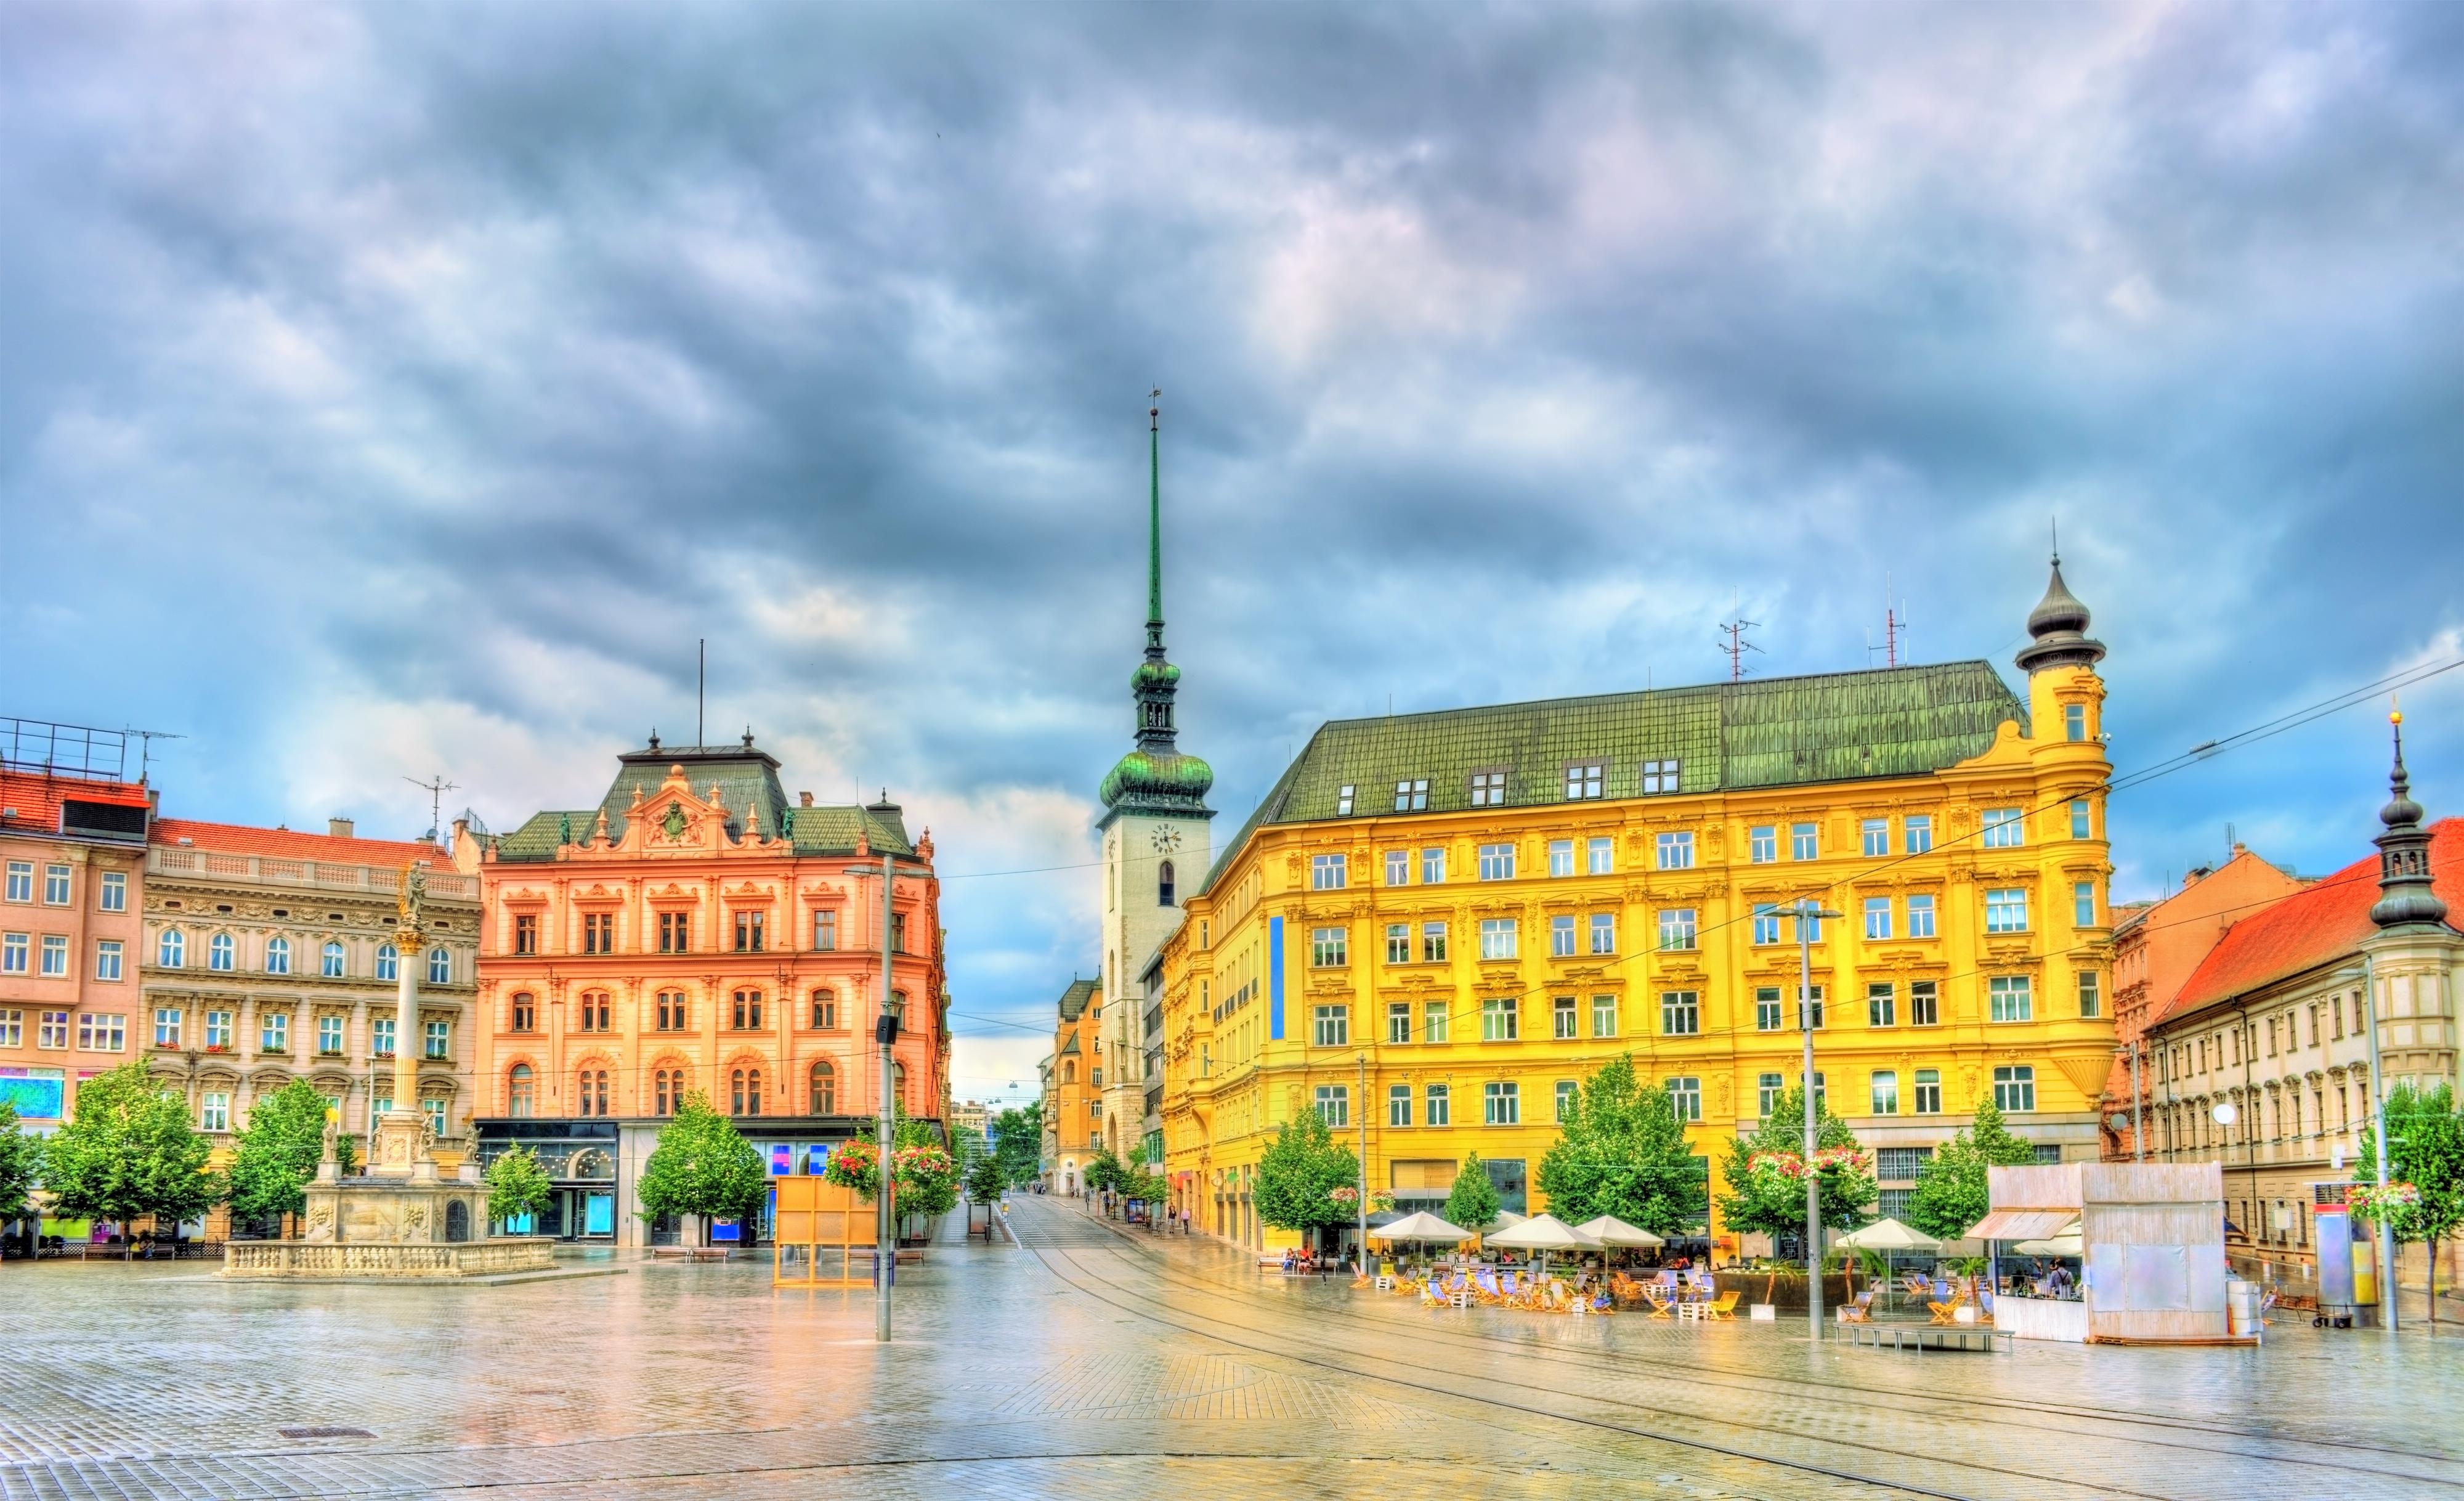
pixel 1167 840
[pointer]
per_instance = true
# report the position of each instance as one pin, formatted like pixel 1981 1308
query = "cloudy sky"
pixel 404 390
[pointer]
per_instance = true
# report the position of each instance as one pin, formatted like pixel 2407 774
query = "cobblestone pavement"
pixel 1097 1363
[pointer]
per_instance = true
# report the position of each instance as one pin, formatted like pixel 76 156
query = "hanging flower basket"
pixel 1382 1200
pixel 856 1166
pixel 2375 1202
pixel 1346 1194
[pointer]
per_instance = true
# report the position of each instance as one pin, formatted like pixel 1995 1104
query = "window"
pixel 898 933
pixel 1437 1020
pixel 1761 843
pixel 1433 943
pixel 1809 926
pixel 1561 857
pixel 1561 1017
pixel 1399 1020
pixel 1603 933
pixel 14 951
pixel 824 1089
pixel 1686 1093
pixel 599 933
pixel 1343 800
pixel 1604 1016
pixel 825 931
pixel 1398 1104
pixel 329 1036
pixel 102 1032
pixel 51 1029
pixel 1398 867
pixel 525 933
pixel 2083 903
pixel 274 1032
pixel 595 1017
pixel 55 886
pixel 277 956
pixel 1561 935
pixel 1766 1008
pixel 1875 836
pixel 2081 821
pixel 748 933
pixel 1499 1020
pixel 1769 1090
pixel 214 1114
pixel 1765 923
pixel 56 955
pixel 746 1014
pixel 1398 943
pixel 1886 1091
pixel 1328 947
pixel 2004 829
pixel 1877 916
pixel 2091 999
pixel 1335 1104
pixel 1497 937
pixel 590 1092
pixel 1599 857
pixel 2006 910
pixel 745 1092
pixel 1329 871
pixel 1882 1003
pixel 218 1031
pixel 1488 789
pixel 171 949
pixel 1568 1091
pixel 1681 1013
pixel 107 958
pixel 525 1012
pixel 2075 721
pixel 1900 1164
pixel 1676 929
pixel 1677 851
pixel 1809 1010
pixel 1433 867
pixel 389 962
pixel 825 1010
pixel 2014 1087
pixel 1437 1105
pixel 440 967
pixel 1333 1029
pixel 1919 916
pixel 168 1022
pixel 1497 862
pixel 1660 776
pixel 21 880
pixel 2009 999
pixel 1412 795
pixel 1583 779
pixel 1802 842
pixel 1917 834
pixel 113 894
pixel 1502 1103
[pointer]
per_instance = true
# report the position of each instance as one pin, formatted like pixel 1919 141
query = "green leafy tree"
pixel 2429 1137
pixel 1017 1142
pixel 21 1165
pixel 985 1179
pixel 1623 1151
pixel 1762 1198
pixel 702 1165
pixel 276 1155
pixel 1105 1172
pixel 518 1186
pixel 1472 1201
pixel 1950 1194
pixel 1298 1174
pixel 129 1152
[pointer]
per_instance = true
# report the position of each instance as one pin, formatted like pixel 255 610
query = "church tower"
pixel 1155 848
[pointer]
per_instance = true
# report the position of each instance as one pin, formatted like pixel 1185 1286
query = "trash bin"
pixel 2241 1308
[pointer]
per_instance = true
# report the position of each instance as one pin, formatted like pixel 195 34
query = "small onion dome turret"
pixel 1153 675
pixel 2058 629
pixel 1166 779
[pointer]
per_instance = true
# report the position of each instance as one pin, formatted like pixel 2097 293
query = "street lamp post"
pixel 1809 914
pixel 2369 976
pixel 885 1032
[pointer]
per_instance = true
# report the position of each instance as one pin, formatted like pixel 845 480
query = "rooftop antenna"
pixel 701 685
pixel 437 787
pixel 1891 624
pixel 145 740
pixel 1737 646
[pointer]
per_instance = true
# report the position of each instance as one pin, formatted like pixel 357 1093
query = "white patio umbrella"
pixel 1888 1235
pixel 1422 1226
pixel 1610 1230
pixel 1543 1233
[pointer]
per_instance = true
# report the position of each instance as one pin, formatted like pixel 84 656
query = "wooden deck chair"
pixel 1948 1313
pixel 1725 1306
pixel 1662 1306
pixel 1860 1311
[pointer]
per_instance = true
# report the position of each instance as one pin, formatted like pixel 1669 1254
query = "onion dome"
pixel 2058 629
pixel 2406 894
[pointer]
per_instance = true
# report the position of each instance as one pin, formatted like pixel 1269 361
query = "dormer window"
pixel 1585 779
pixel 1658 776
pixel 1488 789
pixel 1343 800
pixel 1412 795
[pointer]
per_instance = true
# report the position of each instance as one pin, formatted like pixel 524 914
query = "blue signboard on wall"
pixel 1275 977
pixel 782 1159
pixel 34 1098
pixel 817 1159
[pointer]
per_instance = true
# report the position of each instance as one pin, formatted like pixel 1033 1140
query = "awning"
pixel 2022 1224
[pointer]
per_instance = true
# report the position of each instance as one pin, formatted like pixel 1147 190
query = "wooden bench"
pixel 1927 1337
pixel 693 1253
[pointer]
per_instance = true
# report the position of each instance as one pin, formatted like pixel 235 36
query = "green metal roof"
pixel 1774 732
pixel 747 779
pixel 1073 1000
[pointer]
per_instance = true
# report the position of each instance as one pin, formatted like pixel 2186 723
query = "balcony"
pixel 326 875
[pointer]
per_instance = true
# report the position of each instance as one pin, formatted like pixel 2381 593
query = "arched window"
pixel 172 951
pixel 826 1089
pixel 671 1011
pixel 825 1010
pixel 745 1092
pixel 668 1085
pixel 440 967
pixel 1069 1071
pixel 590 1093
pixel 595 1012
pixel 332 968
pixel 748 1011
pixel 1163 884
pixel 222 953
pixel 522 1095
pixel 277 956
pixel 898 1085
pixel 388 961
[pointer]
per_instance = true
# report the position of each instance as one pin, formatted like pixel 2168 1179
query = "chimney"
pixel 805 797
pixel 340 828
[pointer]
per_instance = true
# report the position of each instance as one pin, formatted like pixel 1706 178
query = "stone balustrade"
pixel 390 1259
pixel 321 875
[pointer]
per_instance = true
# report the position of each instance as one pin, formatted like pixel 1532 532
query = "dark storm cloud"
pixel 410 387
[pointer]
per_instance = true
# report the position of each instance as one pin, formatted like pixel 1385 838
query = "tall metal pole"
pixel 1364 1164
pixel 885 1032
pixel 1807 914
pixel 2378 1119
pixel 2138 1130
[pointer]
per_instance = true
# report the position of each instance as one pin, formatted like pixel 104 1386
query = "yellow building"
pixel 1434 925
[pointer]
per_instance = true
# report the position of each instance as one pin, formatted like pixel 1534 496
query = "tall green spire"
pixel 1154 524
pixel 1155 776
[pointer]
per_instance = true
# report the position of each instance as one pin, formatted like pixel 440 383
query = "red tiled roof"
pixel 2313 925
pixel 291 844
pixel 36 799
